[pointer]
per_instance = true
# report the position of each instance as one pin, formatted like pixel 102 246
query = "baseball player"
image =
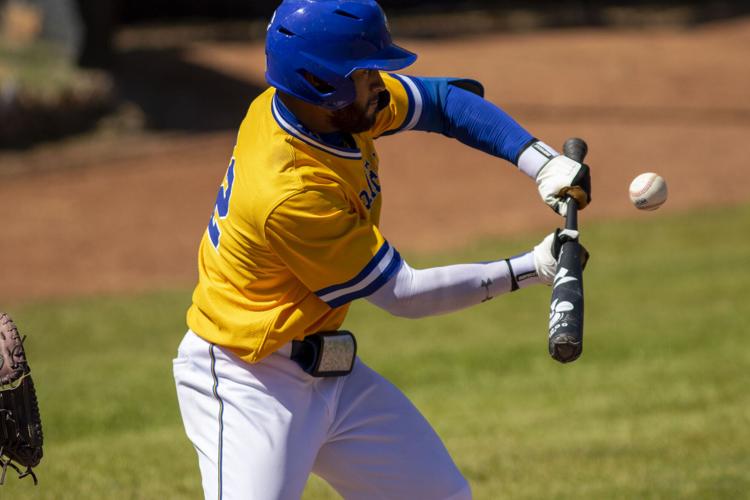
pixel 269 386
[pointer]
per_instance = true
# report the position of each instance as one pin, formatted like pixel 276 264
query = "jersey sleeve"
pixel 329 248
pixel 404 107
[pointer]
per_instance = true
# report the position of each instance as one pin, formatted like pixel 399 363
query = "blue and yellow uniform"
pixel 292 239
pixel 294 236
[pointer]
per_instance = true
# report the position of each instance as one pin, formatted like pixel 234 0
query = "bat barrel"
pixel 566 307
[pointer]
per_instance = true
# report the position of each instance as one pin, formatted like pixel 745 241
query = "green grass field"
pixel 658 406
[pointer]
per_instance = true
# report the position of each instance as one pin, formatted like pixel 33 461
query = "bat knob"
pixel 565 349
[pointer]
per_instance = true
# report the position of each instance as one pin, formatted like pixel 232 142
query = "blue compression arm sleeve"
pixel 455 112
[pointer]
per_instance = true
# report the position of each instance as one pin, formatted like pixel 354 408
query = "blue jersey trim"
pixel 289 123
pixel 373 287
pixel 377 271
pixel 362 274
pixel 410 96
pixel 416 101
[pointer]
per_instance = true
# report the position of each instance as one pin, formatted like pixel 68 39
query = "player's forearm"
pixel 455 112
pixel 414 293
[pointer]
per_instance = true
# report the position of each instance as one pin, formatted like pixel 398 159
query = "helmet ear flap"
pixel 318 84
pixel 331 90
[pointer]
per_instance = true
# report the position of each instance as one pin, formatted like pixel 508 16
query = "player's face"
pixel 359 116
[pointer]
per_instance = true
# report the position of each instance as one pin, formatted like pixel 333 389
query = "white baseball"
pixel 648 191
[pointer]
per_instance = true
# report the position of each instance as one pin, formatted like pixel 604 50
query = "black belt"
pixel 326 354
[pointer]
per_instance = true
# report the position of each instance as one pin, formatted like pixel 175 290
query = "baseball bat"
pixel 566 305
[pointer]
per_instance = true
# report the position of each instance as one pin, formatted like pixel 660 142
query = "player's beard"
pixel 354 119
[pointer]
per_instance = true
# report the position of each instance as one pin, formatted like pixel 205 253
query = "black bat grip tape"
pixel 576 149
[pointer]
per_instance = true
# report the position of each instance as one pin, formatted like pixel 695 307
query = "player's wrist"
pixel 523 269
pixel 534 157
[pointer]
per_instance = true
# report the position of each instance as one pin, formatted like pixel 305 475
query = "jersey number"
pixel 221 207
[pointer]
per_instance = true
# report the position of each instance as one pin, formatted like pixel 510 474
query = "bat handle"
pixel 576 149
pixel 571 216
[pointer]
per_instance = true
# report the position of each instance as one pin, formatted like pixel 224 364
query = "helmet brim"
pixel 391 58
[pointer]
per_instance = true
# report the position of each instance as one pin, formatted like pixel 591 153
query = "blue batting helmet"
pixel 324 41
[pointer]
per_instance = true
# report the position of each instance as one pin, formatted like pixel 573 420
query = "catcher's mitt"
pixel 20 423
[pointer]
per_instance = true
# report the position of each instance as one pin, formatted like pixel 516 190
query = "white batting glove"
pixel 547 252
pixel 545 261
pixel 561 177
pixel 556 176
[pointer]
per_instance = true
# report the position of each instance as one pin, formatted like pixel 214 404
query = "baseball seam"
pixel 654 206
pixel 645 188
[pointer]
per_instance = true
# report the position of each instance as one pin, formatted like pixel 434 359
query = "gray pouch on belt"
pixel 326 354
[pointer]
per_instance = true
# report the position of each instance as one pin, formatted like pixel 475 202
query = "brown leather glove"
pixel 20 423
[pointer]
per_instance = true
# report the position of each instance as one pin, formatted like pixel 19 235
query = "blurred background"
pixel 118 118
pixel 117 121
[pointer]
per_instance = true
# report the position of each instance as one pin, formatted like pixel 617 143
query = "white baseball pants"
pixel 260 429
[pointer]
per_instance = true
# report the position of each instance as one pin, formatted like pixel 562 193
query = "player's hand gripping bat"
pixel 566 305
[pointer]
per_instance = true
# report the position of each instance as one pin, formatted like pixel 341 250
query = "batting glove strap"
pixel 513 280
pixel 534 157
pixel 522 271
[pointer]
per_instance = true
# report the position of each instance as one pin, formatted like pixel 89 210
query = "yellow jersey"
pixel 293 237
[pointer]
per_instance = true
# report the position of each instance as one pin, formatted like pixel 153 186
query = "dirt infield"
pixel 125 213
